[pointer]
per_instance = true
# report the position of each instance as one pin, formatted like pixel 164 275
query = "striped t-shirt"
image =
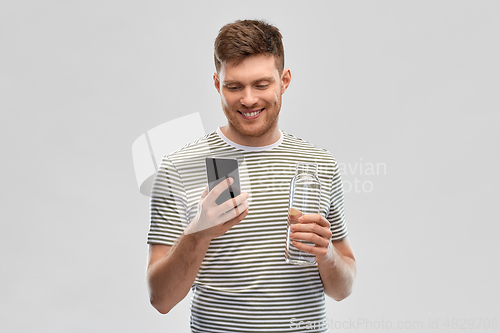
pixel 244 283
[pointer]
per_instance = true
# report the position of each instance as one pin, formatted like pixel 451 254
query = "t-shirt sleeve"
pixel 336 214
pixel 168 205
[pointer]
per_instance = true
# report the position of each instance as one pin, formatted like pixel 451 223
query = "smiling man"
pixel 233 255
pixel 251 93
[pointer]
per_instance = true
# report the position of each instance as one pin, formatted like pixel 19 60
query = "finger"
pixel 238 210
pixel 314 218
pixel 293 215
pixel 310 249
pixel 221 219
pixel 225 226
pixel 236 219
pixel 294 212
pixel 234 212
pixel 312 228
pixel 221 187
pixel 318 240
pixel 233 202
pixel 235 206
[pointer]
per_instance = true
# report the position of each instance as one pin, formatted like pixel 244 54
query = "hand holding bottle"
pixel 312 228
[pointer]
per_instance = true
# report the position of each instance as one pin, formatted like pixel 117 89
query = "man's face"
pixel 251 95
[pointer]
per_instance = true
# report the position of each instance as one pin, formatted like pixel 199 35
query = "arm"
pixel 338 272
pixel 336 262
pixel 173 269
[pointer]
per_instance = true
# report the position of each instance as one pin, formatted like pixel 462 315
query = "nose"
pixel 248 98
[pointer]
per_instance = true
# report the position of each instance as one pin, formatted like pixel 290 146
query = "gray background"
pixel 409 85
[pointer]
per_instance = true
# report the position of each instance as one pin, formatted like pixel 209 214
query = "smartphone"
pixel 218 170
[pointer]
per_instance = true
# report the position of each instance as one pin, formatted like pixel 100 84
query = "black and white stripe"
pixel 244 283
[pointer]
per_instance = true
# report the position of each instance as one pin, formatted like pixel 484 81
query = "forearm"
pixel 337 274
pixel 170 277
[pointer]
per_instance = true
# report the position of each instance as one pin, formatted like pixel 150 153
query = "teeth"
pixel 251 114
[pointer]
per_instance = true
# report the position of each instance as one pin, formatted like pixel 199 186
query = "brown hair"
pixel 243 38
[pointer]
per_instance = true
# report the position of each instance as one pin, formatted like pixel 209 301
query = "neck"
pixel 265 139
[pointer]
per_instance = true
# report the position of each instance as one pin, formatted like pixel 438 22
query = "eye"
pixel 261 86
pixel 232 88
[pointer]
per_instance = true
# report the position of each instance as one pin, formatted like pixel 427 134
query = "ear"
pixel 216 82
pixel 286 77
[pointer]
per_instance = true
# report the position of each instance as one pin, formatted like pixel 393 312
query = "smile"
pixel 251 114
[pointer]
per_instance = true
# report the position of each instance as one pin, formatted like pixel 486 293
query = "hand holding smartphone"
pixel 219 169
pixel 215 217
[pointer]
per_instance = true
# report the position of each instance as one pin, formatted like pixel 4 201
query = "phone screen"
pixel 218 170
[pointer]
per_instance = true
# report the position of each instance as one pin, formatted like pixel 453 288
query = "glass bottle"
pixel 305 197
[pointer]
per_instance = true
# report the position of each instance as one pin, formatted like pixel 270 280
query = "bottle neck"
pixel 307 168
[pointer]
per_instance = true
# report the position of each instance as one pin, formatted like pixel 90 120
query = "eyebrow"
pixel 267 78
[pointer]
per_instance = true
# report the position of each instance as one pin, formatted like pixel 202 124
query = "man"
pixel 232 255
